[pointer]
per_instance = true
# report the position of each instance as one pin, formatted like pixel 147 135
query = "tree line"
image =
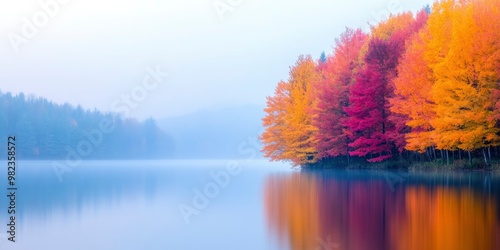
pixel 417 87
pixel 46 130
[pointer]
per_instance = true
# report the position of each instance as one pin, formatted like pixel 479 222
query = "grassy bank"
pixel 476 164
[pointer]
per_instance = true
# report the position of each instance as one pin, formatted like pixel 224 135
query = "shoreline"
pixel 434 166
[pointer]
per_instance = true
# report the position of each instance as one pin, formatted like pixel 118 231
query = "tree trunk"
pixel 485 159
pixel 442 156
pixel 470 160
pixel 489 153
pixel 447 158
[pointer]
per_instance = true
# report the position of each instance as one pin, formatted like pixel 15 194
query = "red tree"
pixel 368 121
pixel 375 131
pixel 398 41
pixel 338 75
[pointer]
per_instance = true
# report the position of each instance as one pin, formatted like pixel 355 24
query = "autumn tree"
pixel 274 145
pixel 374 129
pixel 337 76
pixel 395 23
pixel 412 90
pixel 467 79
pixel 367 121
pixel 289 130
pixel 399 39
pixel 300 134
pixel 486 14
pixel 448 121
pixel 413 97
pixel 416 82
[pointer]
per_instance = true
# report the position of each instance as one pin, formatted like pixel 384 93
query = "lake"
pixel 238 204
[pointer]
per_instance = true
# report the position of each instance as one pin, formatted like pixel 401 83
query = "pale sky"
pixel 92 52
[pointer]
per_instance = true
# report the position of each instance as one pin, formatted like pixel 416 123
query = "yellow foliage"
pixel 465 79
pixel 300 136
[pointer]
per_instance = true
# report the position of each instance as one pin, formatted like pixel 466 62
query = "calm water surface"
pixel 224 204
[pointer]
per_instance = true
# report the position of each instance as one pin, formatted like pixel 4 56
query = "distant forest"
pixel 45 130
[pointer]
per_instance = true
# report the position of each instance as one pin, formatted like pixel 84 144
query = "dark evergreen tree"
pixel 322 58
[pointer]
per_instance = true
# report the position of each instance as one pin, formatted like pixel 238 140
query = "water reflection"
pixel 291 202
pixel 366 210
pixel 135 205
pixel 94 184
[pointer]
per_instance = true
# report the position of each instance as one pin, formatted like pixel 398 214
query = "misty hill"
pixel 46 130
pixel 214 134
